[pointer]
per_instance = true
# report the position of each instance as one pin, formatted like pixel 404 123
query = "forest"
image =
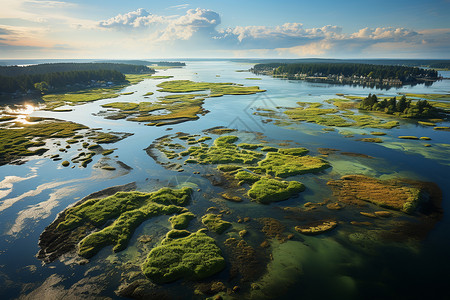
pixel 405 74
pixel 50 76
pixel 403 107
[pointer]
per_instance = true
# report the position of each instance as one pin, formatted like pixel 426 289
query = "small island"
pixel 348 73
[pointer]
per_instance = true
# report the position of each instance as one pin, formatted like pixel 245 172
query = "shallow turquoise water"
pixel 317 267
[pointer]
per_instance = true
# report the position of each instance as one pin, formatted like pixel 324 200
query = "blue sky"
pixel 171 29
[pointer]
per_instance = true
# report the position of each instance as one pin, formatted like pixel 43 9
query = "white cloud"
pixel 181 6
pixel 168 28
pixel 385 33
pixel 135 19
pixel 45 3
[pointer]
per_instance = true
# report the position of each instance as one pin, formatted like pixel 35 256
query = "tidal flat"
pixel 250 199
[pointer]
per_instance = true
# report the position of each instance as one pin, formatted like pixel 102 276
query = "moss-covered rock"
pixel 191 257
pixel 181 221
pixel 268 190
pixel 215 223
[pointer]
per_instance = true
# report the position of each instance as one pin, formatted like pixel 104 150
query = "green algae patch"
pixel 408 137
pixel 129 209
pixel 282 165
pixel 268 190
pixel 181 221
pixel 215 223
pixel 186 86
pixel 371 140
pixel 443 128
pixel 191 257
pixel 378 133
pixel 426 123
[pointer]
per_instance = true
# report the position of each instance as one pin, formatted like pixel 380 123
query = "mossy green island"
pixel 193 257
pixel 268 190
pixel 127 209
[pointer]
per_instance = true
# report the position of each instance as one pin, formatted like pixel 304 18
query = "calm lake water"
pixel 32 194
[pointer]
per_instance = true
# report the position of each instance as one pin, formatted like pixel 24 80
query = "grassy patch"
pixel 268 190
pixel 191 257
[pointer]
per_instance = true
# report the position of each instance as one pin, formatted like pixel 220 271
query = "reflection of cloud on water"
pixel 41 210
pixel 7 203
pixel 97 174
pixel 6 185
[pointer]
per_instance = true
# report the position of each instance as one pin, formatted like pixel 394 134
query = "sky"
pixel 141 29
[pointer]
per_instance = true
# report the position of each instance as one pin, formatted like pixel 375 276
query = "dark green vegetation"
pixel 46 77
pixel 177 108
pixel 215 223
pixel 127 209
pixel 403 107
pixel 195 256
pixel 268 190
pixel 378 73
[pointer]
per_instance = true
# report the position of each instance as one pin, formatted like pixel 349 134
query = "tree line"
pixel 67 67
pixel 47 76
pixel 405 74
pixel 42 82
pixel 403 107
